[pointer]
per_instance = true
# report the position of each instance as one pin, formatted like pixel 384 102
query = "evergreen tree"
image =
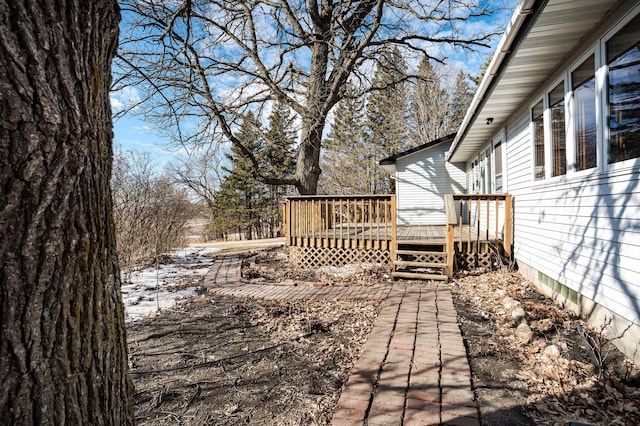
pixel 460 99
pixel 348 118
pixel 428 106
pixel 240 201
pixel 278 158
pixel 278 155
pixel 388 111
pixel 346 155
pixel 483 69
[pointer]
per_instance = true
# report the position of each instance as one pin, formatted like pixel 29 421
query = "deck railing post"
pixel 508 224
pixel 394 226
pixel 286 222
pixel 450 212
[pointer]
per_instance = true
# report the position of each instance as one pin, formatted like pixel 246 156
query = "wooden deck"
pixel 363 228
pixel 366 236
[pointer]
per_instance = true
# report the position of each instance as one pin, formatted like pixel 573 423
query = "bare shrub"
pixel 150 212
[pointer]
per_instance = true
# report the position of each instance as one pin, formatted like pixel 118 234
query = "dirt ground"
pixel 221 360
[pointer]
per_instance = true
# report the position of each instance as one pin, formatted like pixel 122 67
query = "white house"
pixel 423 177
pixel 556 123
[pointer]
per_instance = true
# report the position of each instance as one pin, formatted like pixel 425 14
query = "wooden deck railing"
pixel 476 227
pixel 366 221
pixel 490 216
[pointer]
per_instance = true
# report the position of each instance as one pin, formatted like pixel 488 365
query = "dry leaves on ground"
pixel 224 360
pixel 561 383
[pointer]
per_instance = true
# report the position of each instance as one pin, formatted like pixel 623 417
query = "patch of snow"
pixel 147 291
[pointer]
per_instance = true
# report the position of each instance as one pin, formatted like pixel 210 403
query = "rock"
pixel 517 315
pixel 501 293
pixel 540 344
pixel 551 352
pixel 510 304
pixel 230 409
pixel 524 333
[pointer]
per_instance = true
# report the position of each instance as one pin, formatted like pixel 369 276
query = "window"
pixel 497 154
pixel 583 83
pixel 558 133
pixel 623 60
pixel 483 178
pixel 474 177
pixel 482 182
pixel 602 91
pixel 538 140
pixel 488 174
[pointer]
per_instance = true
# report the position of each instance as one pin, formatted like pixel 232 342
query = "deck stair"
pixel 420 260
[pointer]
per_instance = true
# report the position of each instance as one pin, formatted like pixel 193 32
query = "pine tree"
pixel 279 159
pixel 460 99
pixel 483 69
pixel 346 156
pixel 428 106
pixel 240 201
pixel 278 156
pixel 388 111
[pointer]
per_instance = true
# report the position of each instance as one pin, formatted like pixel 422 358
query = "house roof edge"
pixel 392 159
pixel 513 34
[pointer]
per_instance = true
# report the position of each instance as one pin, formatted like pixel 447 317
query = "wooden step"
pixel 404 263
pixel 418 253
pixel 419 276
pixel 420 243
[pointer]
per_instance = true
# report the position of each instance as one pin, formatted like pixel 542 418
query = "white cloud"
pixel 125 98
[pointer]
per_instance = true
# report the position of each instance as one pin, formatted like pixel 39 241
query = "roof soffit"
pixel 560 26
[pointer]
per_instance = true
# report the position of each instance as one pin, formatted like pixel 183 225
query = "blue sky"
pixel 132 132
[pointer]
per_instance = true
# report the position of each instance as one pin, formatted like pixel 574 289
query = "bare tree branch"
pixel 209 62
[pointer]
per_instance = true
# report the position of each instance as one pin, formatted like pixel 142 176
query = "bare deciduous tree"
pixel 439 101
pixel 63 349
pixel 209 62
pixel 201 174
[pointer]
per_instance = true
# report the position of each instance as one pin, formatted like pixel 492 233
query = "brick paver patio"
pixel 414 368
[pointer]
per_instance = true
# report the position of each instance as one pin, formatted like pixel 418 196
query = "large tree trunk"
pixel 313 121
pixel 308 164
pixel 63 354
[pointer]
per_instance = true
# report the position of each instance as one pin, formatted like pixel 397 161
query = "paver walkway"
pixel 413 369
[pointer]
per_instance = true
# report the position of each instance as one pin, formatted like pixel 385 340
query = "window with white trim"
pixel 497 156
pixel 537 118
pixel 558 132
pixel 488 188
pixel 572 105
pixel 486 170
pixel 583 84
pixel 623 90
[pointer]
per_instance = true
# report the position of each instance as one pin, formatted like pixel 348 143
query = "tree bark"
pixel 319 102
pixel 63 353
pixel 308 164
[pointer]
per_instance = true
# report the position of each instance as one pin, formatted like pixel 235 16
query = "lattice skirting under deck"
pixel 475 260
pixel 429 257
pixel 315 257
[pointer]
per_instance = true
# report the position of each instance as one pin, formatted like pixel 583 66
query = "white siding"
pixel 422 179
pixel 583 231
